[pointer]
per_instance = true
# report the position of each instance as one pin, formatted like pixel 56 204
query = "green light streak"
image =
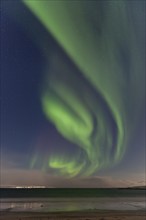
pixel 69 168
pixel 75 26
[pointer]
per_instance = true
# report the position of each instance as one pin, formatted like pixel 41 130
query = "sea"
pixel 43 204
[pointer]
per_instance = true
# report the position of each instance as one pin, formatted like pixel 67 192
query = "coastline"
pixel 77 215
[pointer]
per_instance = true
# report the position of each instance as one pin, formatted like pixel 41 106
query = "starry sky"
pixel 73 93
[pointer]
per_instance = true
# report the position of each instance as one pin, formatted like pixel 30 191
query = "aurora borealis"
pixel 92 83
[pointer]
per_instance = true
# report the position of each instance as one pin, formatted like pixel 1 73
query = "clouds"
pixel 23 177
pixel 14 175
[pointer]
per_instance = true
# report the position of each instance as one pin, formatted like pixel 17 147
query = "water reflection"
pixel 47 205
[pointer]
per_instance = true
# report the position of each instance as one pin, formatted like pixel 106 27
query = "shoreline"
pixel 76 215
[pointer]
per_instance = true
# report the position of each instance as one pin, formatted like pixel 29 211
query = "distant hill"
pixel 137 187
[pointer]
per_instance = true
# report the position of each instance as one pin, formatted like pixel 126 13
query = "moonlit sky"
pixel 73 93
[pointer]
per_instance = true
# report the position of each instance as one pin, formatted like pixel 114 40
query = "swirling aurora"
pixel 96 102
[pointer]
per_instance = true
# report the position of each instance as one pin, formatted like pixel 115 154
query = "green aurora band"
pixel 97 104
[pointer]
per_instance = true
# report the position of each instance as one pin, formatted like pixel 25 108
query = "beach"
pixel 82 215
pixel 116 207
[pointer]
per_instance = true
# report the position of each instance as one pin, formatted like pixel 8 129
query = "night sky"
pixel 73 93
